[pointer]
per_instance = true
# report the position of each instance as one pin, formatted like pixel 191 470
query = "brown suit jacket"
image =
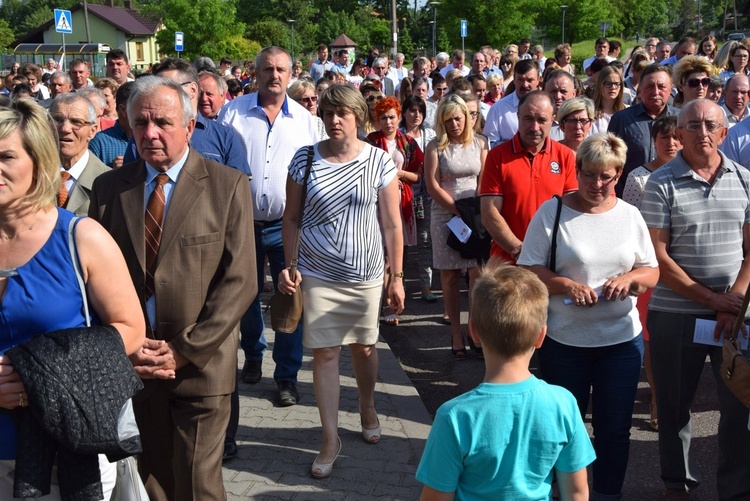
pixel 78 199
pixel 205 272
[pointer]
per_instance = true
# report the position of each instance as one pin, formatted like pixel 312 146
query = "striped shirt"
pixel 340 239
pixel 705 225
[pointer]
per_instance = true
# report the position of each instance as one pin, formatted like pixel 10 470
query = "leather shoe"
pixel 288 394
pixel 230 449
pixel 252 371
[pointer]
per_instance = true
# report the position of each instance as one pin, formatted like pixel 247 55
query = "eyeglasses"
pixel 612 85
pixel 309 100
pixel 697 125
pixel 741 56
pixel 590 177
pixel 577 121
pixel 75 123
pixel 474 114
pixel 650 45
pixel 695 82
pixel 373 97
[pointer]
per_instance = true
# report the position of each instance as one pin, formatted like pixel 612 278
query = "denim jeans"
pixel 677 364
pixel 287 348
pixel 612 372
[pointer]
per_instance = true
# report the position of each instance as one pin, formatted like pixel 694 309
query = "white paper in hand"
pixel 459 228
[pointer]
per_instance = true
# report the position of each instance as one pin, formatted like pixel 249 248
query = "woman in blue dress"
pixel 39 289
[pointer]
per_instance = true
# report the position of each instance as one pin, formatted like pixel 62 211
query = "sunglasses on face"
pixel 309 100
pixel 372 98
pixel 695 82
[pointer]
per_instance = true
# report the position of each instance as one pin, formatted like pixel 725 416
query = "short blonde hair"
pixel 37 132
pixel 448 105
pixel 344 97
pixel 298 88
pixel 688 65
pixel 493 79
pixel 508 308
pixel 600 152
pixel 573 105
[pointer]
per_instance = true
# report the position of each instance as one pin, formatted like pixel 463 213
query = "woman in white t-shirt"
pixel 603 258
pixel 352 205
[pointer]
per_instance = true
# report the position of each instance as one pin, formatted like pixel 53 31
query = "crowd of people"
pixel 592 191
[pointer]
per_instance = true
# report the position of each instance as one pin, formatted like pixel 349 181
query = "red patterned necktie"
pixel 62 195
pixel 154 222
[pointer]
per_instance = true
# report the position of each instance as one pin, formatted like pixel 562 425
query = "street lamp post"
pixel 291 24
pixel 563 7
pixel 434 26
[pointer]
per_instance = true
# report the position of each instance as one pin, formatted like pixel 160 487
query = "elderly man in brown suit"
pixel 75 118
pixel 184 224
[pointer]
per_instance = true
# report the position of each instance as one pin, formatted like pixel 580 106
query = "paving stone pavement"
pixel 277 445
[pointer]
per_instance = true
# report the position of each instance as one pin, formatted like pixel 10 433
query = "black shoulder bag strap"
pixel 555 228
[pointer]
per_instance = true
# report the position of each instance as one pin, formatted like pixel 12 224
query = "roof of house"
pixel 130 21
pixel 343 41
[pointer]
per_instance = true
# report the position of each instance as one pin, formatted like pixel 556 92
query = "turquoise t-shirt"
pixel 503 441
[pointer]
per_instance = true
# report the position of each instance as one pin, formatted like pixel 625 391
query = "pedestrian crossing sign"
pixel 63 23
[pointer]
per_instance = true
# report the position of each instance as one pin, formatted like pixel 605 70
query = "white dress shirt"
pixel 270 147
pixel 502 120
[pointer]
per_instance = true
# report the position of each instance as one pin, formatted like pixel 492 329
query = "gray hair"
pixel 442 57
pixel 681 119
pixel 70 98
pixel 379 60
pixel 146 86
pixel 94 94
pixel 220 82
pixel 204 63
pixel 272 50
pixel 59 74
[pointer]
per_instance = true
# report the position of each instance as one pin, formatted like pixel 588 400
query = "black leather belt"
pixel 266 224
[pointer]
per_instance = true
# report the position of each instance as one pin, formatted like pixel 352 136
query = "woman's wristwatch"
pixel 397 275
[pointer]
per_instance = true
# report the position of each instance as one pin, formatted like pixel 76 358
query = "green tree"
pixel 270 32
pixel 210 28
pixel 6 34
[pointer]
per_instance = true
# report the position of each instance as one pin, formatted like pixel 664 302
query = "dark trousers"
pixel 677 363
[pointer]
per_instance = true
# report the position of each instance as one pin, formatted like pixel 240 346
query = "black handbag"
pixel 286 309
pixel 479 243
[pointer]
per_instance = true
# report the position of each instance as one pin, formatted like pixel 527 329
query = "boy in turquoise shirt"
pixel 505 438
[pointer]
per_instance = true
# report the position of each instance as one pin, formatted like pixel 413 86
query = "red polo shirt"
pixel 525 181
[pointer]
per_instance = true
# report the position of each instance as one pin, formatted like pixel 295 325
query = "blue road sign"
pixel 63 21
pixel 178 41
pixel 464 28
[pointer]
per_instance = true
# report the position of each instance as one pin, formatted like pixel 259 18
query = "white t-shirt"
pixel 591 248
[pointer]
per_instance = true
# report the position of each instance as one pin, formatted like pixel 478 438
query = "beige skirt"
pixel 340 313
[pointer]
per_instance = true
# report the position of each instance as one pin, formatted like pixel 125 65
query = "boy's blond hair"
pixel 509 308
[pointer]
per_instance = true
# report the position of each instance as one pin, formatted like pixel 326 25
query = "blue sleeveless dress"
pixel 43 296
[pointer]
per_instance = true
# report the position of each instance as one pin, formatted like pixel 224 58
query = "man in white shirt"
pixel 602 52
pixel 273 127
pixel 457 63
pixel 502 119
pixel 523 49
pixel 538 55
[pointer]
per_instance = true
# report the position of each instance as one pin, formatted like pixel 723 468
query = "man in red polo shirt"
pixel 521 174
